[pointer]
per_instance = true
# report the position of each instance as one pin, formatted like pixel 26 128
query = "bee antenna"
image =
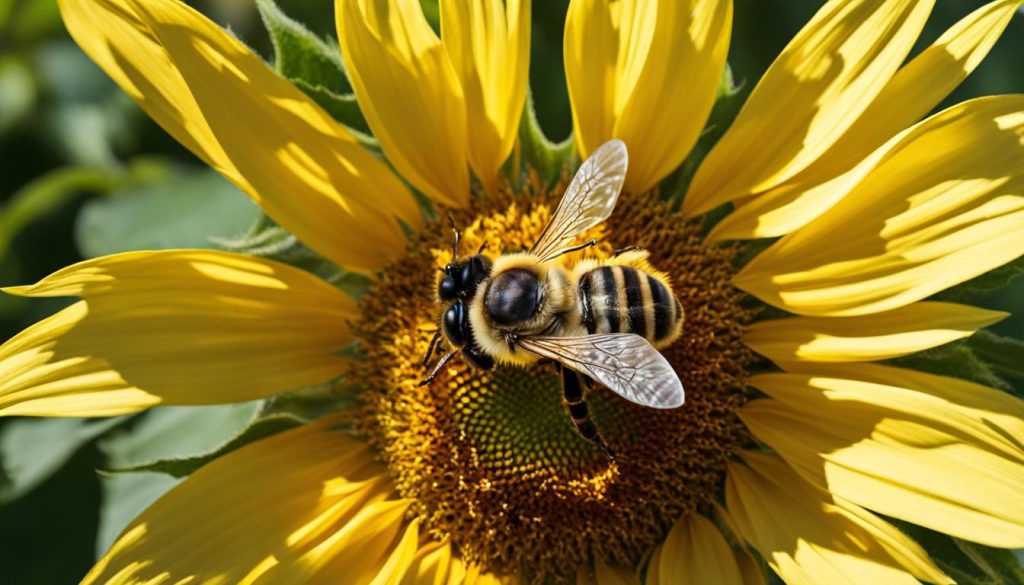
pixel 458 237
pixel 482 246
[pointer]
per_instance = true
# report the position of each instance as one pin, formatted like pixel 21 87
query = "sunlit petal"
pixel 939 452
pixel 911 93
pixel 488 43
pixel 944 204
pixel 173 327
pixel 902 331
pixel 644 71
pixel 288 509
pixel 814 91
pixel 808 537
pixel 409 92
pixel 222 102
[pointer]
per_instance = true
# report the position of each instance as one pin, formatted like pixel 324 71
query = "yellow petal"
pixel 402 557
pixel 902 331
pixel 938 452
pixel 814 91
pixel 912 92
pixel 809 537
pixel 488 43
pixel 696 552
pixel 435 564
pixel 604 574
pixel 173 327
pixel 409 92
pixel 943 205
pixel 644 71
pixel 287 509
pixel 223 103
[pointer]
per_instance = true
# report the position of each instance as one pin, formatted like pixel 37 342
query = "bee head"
pixel 461 279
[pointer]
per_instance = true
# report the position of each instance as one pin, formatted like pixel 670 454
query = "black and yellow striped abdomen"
pixel 625 299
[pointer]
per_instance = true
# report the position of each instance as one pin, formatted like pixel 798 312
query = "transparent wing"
pixel 588 201
pixel 624 362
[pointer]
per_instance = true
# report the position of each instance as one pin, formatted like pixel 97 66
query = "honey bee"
pixel 601 321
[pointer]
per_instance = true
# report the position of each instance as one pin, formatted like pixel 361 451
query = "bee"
pixel 602 322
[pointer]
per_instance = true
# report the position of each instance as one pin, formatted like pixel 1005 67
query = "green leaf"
pixel 548 158
pixel 300 54
pixel 47 193
pixel 170 432
pixel 180 467
pixel 17 92
pixel 1004 355
pixel 957 360
pixel 125 496
pixel 33 449
pixel 184 211
pixel 966 562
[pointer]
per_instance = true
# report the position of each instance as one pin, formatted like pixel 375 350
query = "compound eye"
pixel 513 297
pixel 454 328
pixel 474 271
pixel 446 289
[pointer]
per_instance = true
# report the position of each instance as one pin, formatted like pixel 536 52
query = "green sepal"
pixel 260 428
pixel 314 65
pixel 956 360
pixel 300 54
pixel 1003 355
pixel 968 563
pixel 548 158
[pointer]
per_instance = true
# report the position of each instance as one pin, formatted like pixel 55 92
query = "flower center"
pixel 492 460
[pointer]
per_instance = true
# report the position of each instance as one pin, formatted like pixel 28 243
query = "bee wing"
pixel 624 362
pixel 588 201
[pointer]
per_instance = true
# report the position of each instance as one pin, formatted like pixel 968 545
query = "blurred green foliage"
pixel 83 172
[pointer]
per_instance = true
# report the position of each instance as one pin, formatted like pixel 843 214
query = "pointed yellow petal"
pixel 810 538
pixel 488 43
pixel 223 103
pixel 265 514
pixel 939 452
pixel 435 564
pixel 902 331
pixel 402 557
pixel 173 327
pixel 915 90
pixel 817 88
pixel 604 574
pixel 645 71
pixel 409 92
pixel 943 205
pixel 696 552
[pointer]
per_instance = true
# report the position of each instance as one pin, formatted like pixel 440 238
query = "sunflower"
pixel 805 250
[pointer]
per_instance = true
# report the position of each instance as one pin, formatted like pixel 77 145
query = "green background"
pixel 84 173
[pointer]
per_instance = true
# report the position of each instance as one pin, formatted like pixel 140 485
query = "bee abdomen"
pixel 623 299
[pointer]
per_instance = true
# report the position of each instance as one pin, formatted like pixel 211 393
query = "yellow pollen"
pixel 491 459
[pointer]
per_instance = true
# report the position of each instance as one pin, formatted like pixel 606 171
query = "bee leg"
pixel 440 364
pixel 433 346
pixel 572 393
